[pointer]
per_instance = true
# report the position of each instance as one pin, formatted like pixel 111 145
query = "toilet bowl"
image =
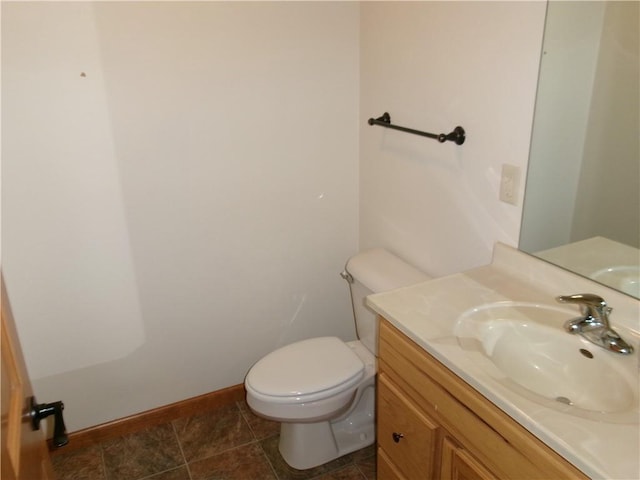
pixel 322 389
pixel 306 381
pixel 325 401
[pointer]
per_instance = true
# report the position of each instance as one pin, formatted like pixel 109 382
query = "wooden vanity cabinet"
pixel 433 425
pixel 410 436
pixel 459 464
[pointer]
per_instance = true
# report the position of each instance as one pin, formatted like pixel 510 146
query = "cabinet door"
pixel 459 464
pixel 386 470
pixel 407 437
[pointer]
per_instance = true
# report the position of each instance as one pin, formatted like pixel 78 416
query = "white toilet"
pixel 323 389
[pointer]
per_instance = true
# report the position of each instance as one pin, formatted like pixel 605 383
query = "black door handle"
pixel 38 411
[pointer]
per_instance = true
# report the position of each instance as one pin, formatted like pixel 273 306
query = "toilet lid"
pixel 306 367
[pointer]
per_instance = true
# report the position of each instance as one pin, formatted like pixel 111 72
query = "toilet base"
pixel 307 445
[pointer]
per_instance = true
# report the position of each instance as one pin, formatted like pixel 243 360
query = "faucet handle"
pixel 587 299
pixel 593 306
pixel 595 324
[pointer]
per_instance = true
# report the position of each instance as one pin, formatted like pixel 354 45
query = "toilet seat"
pixel 305 371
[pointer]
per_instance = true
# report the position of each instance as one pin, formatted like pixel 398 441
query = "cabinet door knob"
pixel 397 436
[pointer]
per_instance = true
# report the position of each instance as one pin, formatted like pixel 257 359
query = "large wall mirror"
pixel 582 201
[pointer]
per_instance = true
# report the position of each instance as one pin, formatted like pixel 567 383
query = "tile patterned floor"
pixel 230 443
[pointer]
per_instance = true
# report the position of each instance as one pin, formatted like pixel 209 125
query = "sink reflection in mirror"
pixel 625 278
pixel 524 347
pixel 601 259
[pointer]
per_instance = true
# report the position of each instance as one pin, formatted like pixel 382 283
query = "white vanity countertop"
pixel 426 313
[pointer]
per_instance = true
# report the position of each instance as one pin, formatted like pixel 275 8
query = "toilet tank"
pixel 375 271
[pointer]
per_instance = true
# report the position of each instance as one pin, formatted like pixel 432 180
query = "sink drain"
pixel 586 353
pixel 564 400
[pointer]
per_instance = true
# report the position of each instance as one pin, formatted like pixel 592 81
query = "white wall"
pixel 68 253
pixel 180 191
pixel 433 66
pixel 202 177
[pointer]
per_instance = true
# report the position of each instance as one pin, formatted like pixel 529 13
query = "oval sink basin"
pixel 525 347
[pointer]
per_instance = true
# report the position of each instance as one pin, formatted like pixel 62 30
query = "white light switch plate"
pixel 509 184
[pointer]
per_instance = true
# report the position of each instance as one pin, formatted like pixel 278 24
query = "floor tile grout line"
pixel 230 450
pixel 150 477
pixel 198 459
pixel 184 457
pixel 364 476
pixel 271 466
pixel 246 421
pixel 254 440
pixel 359 466
pixel 257 440
pixel 103 462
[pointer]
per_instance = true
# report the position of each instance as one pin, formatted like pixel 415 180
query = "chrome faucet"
pixel 594 324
